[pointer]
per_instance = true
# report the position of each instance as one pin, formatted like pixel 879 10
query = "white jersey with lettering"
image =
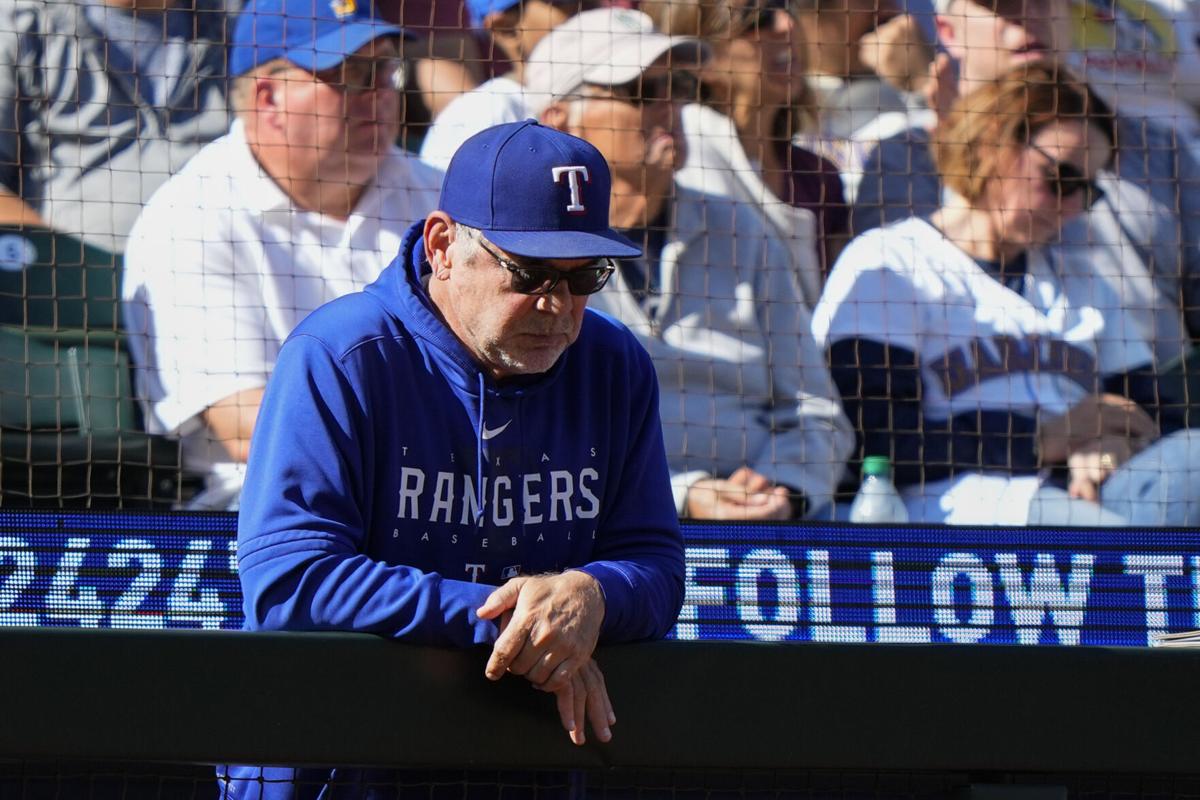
pixel 1034 349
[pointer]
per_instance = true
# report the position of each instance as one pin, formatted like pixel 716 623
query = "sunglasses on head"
pixel 534 278
pixel 1067 180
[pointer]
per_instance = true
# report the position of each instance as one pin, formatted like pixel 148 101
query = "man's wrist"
pixel 594 588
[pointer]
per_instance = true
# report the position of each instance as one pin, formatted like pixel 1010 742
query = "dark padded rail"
pixel 197 697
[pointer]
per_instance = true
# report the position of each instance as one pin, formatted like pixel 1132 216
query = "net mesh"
pixel 130 781
pixel 1016 338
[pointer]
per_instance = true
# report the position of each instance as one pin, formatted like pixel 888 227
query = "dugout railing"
pixel 728 719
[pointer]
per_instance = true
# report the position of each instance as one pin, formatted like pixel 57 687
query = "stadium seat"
pixel 53 280
pixel 70 432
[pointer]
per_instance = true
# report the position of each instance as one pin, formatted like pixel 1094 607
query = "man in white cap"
pixel 523 93
pixel 752 427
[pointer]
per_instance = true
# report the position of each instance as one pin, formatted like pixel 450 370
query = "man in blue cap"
pixel 462 454
pixel 302 201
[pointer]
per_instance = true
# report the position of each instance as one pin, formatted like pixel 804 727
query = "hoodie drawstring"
pixel 479 456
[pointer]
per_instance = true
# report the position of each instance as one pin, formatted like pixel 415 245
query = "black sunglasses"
pixel 1067 180
pixel 357 74
pixel 678 87
pixel 541 279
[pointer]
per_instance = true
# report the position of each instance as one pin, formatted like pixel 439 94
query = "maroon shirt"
pixel 816 185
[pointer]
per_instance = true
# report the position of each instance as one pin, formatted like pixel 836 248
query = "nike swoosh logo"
pixel 488 433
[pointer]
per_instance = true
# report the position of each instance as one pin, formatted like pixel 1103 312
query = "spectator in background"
pixel 754 99
pixel 100 103
pixel 971 357
pixel 849 91
pixel 515 27
pixel 1141 56
pixel 300 203
pixel 847 39
pixel 443 63
pixel 753 429
pixel 1143 236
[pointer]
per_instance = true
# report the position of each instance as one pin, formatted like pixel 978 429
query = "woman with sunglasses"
pixel 754 97
pixel 972 357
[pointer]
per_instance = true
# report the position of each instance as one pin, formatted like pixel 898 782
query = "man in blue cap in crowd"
pixel 304 200
pixel 462 454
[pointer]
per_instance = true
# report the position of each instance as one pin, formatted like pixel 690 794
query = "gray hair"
pixel 471 237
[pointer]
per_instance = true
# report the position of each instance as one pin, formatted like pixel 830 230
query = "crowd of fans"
pixel 965 237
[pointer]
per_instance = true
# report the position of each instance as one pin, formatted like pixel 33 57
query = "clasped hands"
pixel 1094 438
pixel 745 495
pixel 549 626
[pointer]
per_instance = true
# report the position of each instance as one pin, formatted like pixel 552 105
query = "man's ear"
pixel 556 116
pixel 947 34
pixel 438 236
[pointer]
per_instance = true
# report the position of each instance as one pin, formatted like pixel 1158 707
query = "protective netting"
pixel 964 235
pixel 131 781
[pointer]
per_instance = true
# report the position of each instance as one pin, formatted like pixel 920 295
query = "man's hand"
pixel 553 629
pixel 898 52
pixel 1094 420
pixel 744 495
pixel 582 697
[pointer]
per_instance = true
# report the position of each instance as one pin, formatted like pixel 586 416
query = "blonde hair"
pixel 971 145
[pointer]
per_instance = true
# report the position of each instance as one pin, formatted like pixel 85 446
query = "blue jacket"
pixel 393 484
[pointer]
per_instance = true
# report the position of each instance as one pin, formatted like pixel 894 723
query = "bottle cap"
pixel 877 465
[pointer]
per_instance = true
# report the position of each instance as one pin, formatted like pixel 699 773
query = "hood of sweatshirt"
pixel 401 290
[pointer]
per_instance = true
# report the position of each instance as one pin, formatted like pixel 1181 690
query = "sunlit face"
pixel 763 59
pixel 1025 202
pixel 340 123
pixel 991 37
pixel 509 333
pixel 636 128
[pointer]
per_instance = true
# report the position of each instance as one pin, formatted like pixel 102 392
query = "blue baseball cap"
pixel 480 9
pixel 312 34
pixel 534 191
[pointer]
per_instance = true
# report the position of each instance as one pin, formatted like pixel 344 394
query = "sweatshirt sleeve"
pixel 638 558
pixel 302 527
pixel 808 437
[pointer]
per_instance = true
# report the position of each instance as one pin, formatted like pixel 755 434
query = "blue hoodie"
pixel 394 483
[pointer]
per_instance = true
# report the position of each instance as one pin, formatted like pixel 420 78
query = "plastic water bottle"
pixel 877 499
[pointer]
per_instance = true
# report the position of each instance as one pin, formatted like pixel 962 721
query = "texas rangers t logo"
pixel 572 173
